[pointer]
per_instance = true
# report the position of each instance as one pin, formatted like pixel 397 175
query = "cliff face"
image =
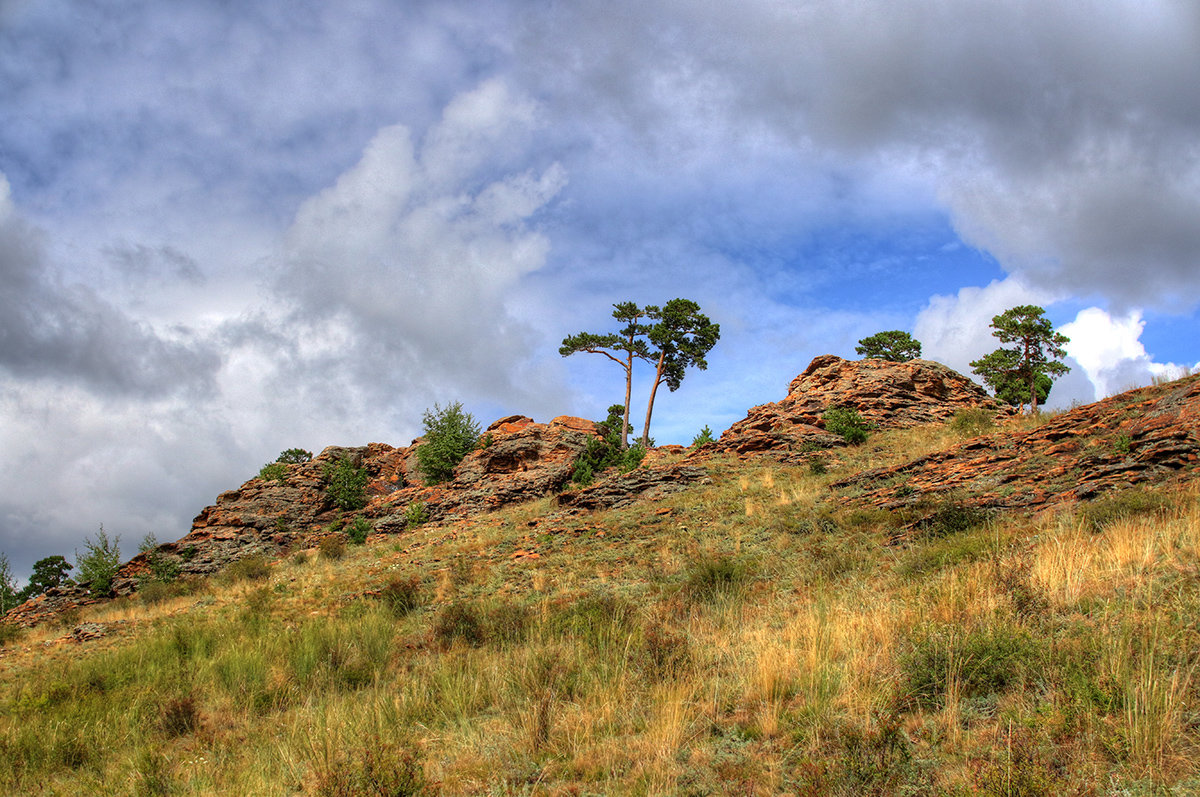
pixel 886 394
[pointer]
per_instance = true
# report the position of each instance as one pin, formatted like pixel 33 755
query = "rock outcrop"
pixel 1148 436
pixel 887 395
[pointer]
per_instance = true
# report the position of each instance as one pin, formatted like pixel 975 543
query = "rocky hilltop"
pixel 887 395
pixel 1146 436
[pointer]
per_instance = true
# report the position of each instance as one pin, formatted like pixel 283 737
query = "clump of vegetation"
pixel 378 767
pixel 848 423
pixel 416 514
pixel 401 595
pixel 274 471
pixel 450 434
pixel 972 663
pixel 1103 512
pixel 705 436
pixel 162 568
pixel 346 484
pixel 460 621
pixel 249 568
pixel 294 456
pixel 601 454
pixel 894 345
pixel 98 564
pixel 1024 373
pixel 717 575
pixel 972 422
pixel 358 529
pixel 332 547
pixel 952 516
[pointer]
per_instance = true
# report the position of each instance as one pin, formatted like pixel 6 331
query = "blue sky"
pixel 230 229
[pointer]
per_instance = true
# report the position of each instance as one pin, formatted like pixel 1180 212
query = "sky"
pixel 229 229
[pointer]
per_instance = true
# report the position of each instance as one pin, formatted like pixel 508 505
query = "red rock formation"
pixel 1145 436
pixel 886 394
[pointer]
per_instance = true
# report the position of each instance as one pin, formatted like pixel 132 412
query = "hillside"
pixel 967 603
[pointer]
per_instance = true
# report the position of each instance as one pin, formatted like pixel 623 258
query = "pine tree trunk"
pixel 653 391
pixel 628 395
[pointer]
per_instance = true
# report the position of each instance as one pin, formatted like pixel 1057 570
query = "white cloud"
pixel 1109 350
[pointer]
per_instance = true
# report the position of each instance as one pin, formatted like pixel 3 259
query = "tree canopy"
pixel 893 345
pixel 682 336
pixel 1017 374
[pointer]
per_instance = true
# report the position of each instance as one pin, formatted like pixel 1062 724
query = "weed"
pixel 249 568
pixel 817 466
pixel 332 547
pixel 1115 507
pixel 180 717
pixel 966 663
pixel 401 595
pixel 951 516
pixel 276 471
pixel 416 514
pixel 9 632
pixel 460 621
pixel 972 422
pixel 375 768
pixel 1122 444
pixel 715 576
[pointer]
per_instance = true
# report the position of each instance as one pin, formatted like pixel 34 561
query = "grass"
pixel 753 635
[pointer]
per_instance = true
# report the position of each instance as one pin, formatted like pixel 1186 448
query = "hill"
pixel 805 617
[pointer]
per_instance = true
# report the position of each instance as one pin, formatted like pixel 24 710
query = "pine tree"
pixel 1032 360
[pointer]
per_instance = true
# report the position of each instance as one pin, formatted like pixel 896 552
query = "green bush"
pixel 9 632
pixel 416 514
pixel 99 563
pixel 705 436
pixel 295 456
pixel 847 423
pixel 377 768
pixel 163 569
pixel 275 471
pixel 450 434
pixel 972 422
pixel 951 516
pixel 346 484
pixel 601 454
pixel 358 529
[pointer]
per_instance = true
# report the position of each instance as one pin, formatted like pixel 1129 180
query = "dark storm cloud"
pixel 49 329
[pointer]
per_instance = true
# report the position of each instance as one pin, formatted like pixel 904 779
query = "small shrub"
pixel 416 514
pixel 1122 444
pixel 346 484
pixel 450 434
pixel 99 562
pixel 972 422
pixel 249 568
pixel 666 651
pixel 1115 507
pixel 275 471
pixel 815 523
pixel 358 529
pixel 705 436
pixel 401 595
pixel 508 623
pixel 847 423
pixel 460 621
pixel 332 547
pixel 601 454
pixel 188 553
pixel 817 466
pixel 163 568
pixel 295 456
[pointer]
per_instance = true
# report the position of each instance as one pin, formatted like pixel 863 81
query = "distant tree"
pixel 8 586
pixel 621 347
pixel 48 573
pixel 99 562
pixel 682 336
pixel 450 434
pixel 294 456
pixel 1034 357
pixel 894 345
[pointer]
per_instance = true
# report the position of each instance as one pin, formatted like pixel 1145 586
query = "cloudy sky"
pixel 227 229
